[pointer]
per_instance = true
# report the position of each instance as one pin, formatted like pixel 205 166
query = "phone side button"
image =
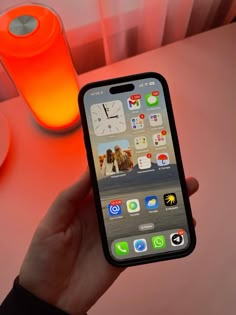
pixel 146 227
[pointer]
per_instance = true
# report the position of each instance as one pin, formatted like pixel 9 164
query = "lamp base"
pixel 56 131
pixel 4 138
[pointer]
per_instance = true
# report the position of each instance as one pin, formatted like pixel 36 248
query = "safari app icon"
pixel 140 245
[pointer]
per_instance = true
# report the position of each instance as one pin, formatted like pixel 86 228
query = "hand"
pixel 64 265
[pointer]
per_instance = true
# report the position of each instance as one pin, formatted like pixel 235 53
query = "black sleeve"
pixel 20 301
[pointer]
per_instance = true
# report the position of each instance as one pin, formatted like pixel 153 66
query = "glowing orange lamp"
pixel 34 51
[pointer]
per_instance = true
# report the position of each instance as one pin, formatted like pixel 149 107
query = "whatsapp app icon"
pixel 158 242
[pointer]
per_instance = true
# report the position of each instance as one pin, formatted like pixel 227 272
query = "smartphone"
pixel 136 170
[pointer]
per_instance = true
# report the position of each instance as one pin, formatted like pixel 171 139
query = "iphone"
pixel 136 170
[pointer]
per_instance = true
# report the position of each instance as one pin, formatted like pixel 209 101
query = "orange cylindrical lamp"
pixel 34 51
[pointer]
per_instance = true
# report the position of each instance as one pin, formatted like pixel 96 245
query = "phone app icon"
pixel 140 245
pixel 121 248
pixel 137 123
pixel 152 99
pixel 144 162
pixel 133 205
pixel 133 103
pixel 159 139
pixel 170 199
pixel 114 208
pixel 158 242
pixel 140 143
pixel 155 119
pixel 151 202
pixel 176 239
pixel 163 159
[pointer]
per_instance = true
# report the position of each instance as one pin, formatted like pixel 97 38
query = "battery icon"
pixel 152 83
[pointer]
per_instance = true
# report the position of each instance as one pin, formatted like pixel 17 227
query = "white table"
pixel 201 72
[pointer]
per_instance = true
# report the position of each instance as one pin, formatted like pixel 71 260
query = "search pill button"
pixel 146 227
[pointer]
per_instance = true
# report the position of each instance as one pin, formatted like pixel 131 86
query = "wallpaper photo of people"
pixel 115 157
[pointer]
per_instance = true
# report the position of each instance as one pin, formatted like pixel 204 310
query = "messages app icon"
pixel 158 242
pixel 152 99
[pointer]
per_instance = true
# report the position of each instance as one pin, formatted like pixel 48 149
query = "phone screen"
pixel 137 174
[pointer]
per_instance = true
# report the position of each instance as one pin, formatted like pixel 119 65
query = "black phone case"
pixel 151 258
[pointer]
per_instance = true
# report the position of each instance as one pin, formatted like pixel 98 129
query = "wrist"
pixel 21 301
pixel 38 293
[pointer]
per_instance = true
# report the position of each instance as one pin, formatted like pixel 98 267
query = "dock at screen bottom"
pixel 149 244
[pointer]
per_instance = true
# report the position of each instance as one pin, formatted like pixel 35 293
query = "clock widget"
pixel 108 118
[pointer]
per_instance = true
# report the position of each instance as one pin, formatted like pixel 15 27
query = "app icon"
pixel 176 239
pixel 151 202
pixel 121 248
pixel 133 102
pixel 152 99
pixel 144 162
pixel 133 205
pixel 163 159
pixel 158 241
pixel 140 143
pixel 137 123
pixel 155 119
pixel 159 139
pixel 140 245
pixel 114 208
pixel 170 199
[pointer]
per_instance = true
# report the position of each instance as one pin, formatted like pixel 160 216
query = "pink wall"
pixel 201 76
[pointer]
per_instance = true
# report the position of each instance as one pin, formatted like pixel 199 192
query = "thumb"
pixel 66 206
